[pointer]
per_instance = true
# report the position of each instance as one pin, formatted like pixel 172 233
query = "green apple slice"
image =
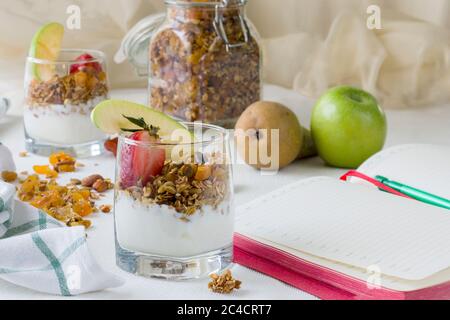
pixel 46 45
pixel 108 116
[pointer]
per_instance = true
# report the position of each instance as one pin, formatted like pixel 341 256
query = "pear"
pixel 269 136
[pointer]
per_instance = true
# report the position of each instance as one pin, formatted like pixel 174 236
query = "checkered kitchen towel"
pixel 39 253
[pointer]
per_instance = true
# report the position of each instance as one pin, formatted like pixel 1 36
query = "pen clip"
pixel 378 184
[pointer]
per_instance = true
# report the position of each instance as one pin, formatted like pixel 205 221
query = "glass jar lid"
pixel 134 47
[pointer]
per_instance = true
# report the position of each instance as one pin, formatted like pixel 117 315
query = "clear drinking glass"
pixel 174 214
pixel 59 98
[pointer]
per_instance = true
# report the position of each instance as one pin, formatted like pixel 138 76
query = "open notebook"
pixel 342 240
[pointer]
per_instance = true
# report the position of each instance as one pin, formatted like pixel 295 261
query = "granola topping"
pixel 180 187
pixel 74 89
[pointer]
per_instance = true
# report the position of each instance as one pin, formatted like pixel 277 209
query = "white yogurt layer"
pixel 158 230
pixel 63 124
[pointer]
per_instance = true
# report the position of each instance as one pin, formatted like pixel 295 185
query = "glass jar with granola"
pixel 205 62
pixel 174 215
pixel 59 97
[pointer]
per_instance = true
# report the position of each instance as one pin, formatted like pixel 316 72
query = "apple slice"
pixel 46 45
pixel 110 117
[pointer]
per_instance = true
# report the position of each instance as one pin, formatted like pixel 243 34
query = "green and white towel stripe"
pixel 40 253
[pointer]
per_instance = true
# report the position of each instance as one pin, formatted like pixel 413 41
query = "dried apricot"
pixel 83 208
pixel 45 170
pixel 9 176
pixel 203 173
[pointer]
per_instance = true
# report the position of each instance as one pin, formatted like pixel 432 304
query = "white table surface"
pixel 431 125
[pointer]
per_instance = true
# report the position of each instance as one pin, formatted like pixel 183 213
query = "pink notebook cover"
pixel 321 282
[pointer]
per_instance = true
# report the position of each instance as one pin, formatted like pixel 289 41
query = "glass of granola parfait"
pixel 174 216
pixel 62 86
pixel 60 95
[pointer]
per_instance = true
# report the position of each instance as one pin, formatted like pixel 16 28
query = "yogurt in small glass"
pixel 59 98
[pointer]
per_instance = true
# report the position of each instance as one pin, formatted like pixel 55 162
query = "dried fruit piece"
pixel 203 173
pixel 65 168
pixel 78 222
pixel 111 145
pixel 105 208
pixel 9 176
pixel 62 162
pixel 83 208
pixel 75 182
pixel 45 170
pixel 100 186
pixel 56 158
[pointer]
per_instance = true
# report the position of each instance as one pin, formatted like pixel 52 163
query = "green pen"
pixel 416 194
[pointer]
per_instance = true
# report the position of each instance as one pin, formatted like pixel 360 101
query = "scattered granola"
pixel 9 176
pixel 70 203
pixel 60 162
pixel 23 154
pixel 105 208
pixel 224 283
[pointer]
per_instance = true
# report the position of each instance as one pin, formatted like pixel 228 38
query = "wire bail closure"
pixel 220 28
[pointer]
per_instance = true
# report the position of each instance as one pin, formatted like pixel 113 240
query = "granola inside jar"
pixel 205 62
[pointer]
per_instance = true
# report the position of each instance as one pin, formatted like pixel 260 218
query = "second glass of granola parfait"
pixel 59 98
pixel 174 215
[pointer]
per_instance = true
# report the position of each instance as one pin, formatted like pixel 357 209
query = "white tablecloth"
pixel 422 126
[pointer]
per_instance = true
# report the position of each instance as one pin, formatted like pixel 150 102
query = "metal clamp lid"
pixel 220 28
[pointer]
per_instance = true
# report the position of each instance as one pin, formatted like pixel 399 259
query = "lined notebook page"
pixel 426 167
pixel 364 275
pixel 354 225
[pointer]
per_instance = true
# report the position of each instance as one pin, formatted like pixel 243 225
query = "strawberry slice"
pixel 84 65
pixel 140 163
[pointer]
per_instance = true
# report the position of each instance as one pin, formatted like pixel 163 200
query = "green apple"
pixel 348 127
pixel 46 45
